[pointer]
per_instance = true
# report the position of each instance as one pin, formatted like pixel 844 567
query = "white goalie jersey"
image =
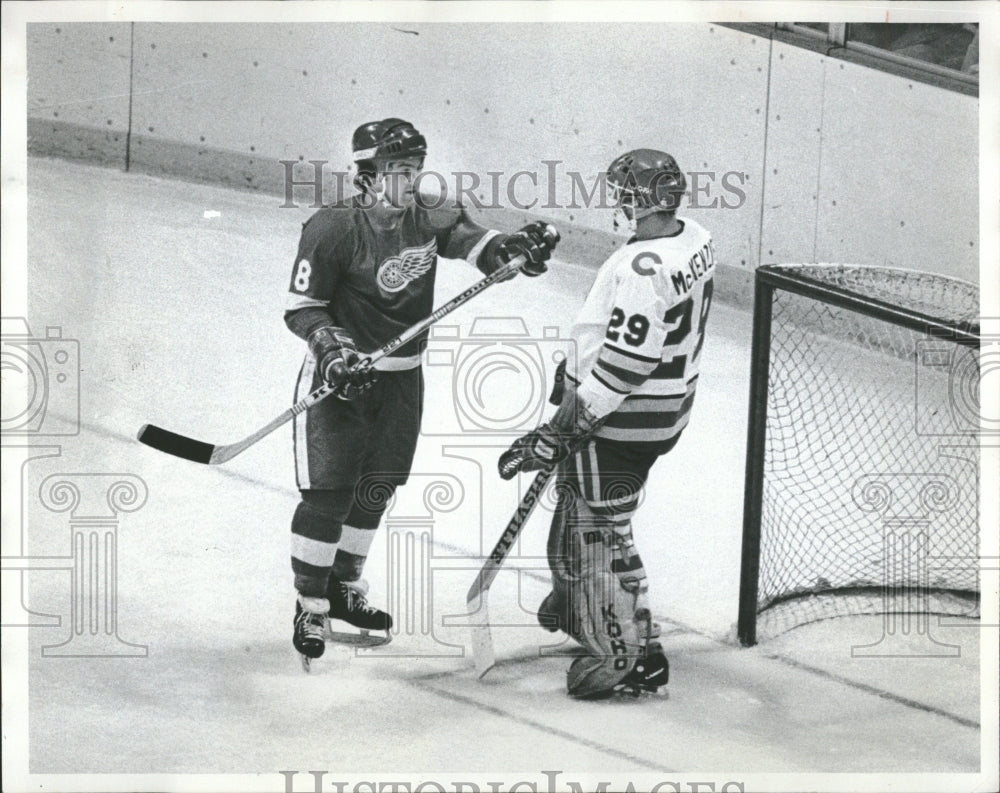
pixel 640 332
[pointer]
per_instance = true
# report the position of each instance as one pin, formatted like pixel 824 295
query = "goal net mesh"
pixel 871 468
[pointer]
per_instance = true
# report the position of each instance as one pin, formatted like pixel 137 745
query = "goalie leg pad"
pixel 602 610
pixel 614 639
pixel 554 614
pixel 595 563
pixel 610 479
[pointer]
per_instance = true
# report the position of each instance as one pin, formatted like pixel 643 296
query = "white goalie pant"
pixel 599 605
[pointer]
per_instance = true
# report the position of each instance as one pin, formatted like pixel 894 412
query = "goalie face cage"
pixel 862 475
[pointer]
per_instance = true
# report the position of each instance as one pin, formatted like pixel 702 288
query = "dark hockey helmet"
pixel 646 179
pixel 388 139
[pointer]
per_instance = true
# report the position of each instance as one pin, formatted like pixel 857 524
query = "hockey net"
pixel 862 481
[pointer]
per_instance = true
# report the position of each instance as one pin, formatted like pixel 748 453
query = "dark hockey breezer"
pixel 365 273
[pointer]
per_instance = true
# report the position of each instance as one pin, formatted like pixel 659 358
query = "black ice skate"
pixel 310 622
pixel 348 603
pixel 648 674
pixel 552 614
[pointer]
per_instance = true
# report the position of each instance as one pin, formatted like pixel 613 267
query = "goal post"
pixel 861 491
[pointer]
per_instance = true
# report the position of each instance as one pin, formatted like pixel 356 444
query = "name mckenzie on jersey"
pixel 697 267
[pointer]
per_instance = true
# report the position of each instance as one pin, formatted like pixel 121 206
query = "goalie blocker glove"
pixel 550 444
pixel 337 359
pixel 535 242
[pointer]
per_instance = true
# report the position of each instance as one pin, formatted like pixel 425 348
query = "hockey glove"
pixel 551 443
pixel 535 242
pixel 337 358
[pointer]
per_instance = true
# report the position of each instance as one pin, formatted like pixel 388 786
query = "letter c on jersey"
pixel 645 255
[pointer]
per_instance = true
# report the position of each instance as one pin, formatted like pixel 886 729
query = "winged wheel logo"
pixel 397 271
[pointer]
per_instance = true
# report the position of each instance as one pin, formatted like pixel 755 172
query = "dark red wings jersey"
pixel 377 282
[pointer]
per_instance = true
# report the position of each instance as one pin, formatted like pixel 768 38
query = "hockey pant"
pixel 332 532
pixel 349 459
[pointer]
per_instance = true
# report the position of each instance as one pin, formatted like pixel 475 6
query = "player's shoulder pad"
pixel 693 227
pixel 445 217
pixel 336 218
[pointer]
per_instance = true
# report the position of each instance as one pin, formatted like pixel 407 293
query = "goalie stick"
pixel 477 599
pixel 211 454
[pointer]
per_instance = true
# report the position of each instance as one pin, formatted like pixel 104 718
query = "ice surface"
pixel 175 292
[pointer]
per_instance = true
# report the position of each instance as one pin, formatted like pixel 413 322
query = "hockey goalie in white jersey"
pixel 639 338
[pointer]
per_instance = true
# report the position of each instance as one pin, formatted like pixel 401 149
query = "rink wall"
pixel 796 156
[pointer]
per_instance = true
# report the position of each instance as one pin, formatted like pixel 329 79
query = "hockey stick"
pixel 476 600
pixel 210 454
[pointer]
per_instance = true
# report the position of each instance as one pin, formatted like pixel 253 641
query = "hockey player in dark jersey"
pixel 639 337
pixel 365 272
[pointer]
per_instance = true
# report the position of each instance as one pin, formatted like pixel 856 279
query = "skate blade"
pixel 635 692
pixel 624 692
pixel 306 663
pixel 363 638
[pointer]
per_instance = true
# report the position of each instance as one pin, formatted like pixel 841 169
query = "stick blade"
pixel 482 650
pixel 482 640
pixel 177 445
